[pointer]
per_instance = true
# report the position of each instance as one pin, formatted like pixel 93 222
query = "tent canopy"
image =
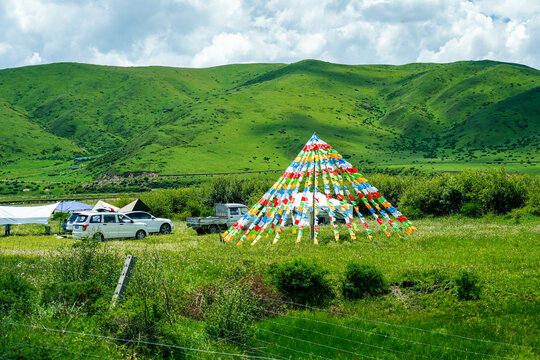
pixel 137 205
pixel 14 215
pixel 69 206
pixel 321 200
pixel 103 205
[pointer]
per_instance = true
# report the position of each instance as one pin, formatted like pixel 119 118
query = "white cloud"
pixel 34 59
pixel 225 48
pixel 517 36
pixel 204 33
pixel 109 58
pixel 4 48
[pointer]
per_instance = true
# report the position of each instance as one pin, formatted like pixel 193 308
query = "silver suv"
pixel 101 226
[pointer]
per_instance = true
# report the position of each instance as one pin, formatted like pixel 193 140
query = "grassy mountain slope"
pixel 257 116
pixel 26 147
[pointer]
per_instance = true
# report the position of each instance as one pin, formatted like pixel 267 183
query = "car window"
pixel 235 211
pixel 109 218
pixel 145 216
pixel 244 210
pixel 81 218
pixel 123 219
pixel 134 216
pixel 95 219
pixel 73 217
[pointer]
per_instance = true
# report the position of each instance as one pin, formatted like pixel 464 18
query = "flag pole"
pixel 312 218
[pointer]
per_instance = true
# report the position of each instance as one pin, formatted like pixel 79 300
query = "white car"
pixel 101 226
pixel 71 219
pixel 155 225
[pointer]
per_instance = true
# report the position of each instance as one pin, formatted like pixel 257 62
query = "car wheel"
pixel 200 231
pixel 99 237
pixel 165 229
pixel 140 235
pixel 213 229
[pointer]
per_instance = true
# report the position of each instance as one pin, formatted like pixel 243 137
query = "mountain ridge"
pixel 256 116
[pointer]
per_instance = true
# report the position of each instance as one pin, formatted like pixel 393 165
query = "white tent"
pixel 13 215
pixel 103 205
pixel 322 200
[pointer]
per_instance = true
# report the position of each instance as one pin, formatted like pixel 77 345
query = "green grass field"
pixel 420 317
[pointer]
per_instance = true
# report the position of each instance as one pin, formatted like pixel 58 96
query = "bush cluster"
pixel 361 280
pixel 72 293
pixel 303 282
pixel 471 193
pixel 231 313
pixel 15 292
pixel 308 283
pixel 468 286
pixel 84 261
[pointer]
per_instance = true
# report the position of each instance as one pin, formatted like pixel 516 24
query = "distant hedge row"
pixel 471 193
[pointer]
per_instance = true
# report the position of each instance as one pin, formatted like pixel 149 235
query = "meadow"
pixel 195 297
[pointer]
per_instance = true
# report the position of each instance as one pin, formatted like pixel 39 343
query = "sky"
pixel 205 33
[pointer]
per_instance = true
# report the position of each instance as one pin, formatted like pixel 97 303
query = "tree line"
pixel 471 193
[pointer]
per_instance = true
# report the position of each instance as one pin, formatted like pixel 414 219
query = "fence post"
pixel 123 281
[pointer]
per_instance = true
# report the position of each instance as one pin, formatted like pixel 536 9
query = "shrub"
pixel 166 203
pixel 224 189
pixel 392 187
pixel 437 196
pixel 502 192
pixel 361 280
pixel 427 280
pixel 471 209
pixel 130 321
pixel 303 282
pixel 146 311
pixel 75 292
pixel 412 212
pixel 60 216
pixel 533 198
pixel 123 201
pixel 159 202
pixel 84 261
pixel 267 297
pixel 15 292
pixel 468 286
pixel 230 313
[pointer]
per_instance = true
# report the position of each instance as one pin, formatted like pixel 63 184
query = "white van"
pixel 101 226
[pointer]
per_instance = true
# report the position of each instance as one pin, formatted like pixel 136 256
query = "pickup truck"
pixel 225 215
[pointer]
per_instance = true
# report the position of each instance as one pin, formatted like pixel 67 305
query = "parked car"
pixel 155 225
pixel 71 220
pixel 101 226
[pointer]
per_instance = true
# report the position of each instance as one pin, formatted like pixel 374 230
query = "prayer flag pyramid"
pixel 317 163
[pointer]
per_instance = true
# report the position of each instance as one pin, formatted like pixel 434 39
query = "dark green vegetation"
pixel 257 117
pixel 471 193
pixel 194 292
pixel 362 280
pixel 468 286
pixel 303 282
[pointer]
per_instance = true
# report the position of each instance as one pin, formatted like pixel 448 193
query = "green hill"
pixel 257 117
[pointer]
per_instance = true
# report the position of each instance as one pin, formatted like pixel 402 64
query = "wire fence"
pixel 157 314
